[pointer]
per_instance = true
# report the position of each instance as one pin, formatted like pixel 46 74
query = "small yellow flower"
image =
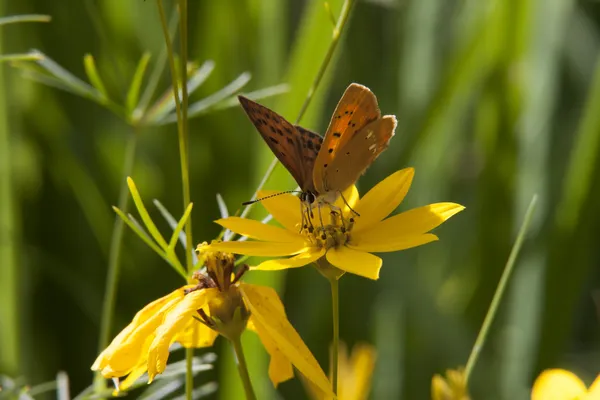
pixel 346 240
pixel 354 373
pixel 192 315
pixel 452 387
pixel 559 384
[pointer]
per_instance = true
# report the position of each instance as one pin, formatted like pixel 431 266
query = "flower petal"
pixel 557 384
pixel 133 376
pixel 269 318
pixel 594 390
pixel 260 249
pixel 257 230
pixel 285 208
pixel 280 368
pixel 197 335
pixel 412 222
pixel 128 348
pixel 366 243
pixel 383 198
pixel 174 322
pixel 300 260
pixel 355 262
pixel 356 372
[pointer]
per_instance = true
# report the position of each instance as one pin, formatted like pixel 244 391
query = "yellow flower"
pixel 452 387
pixel 346 241
pixel 559 384
pixel 354 373
pixel 192 315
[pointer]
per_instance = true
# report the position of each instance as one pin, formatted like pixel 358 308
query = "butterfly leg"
pixel 348 205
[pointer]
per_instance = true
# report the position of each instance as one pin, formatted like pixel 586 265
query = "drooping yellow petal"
pixel 128 347
pixel 355 262
pixel 383 198
pixel 558 384
pixel 257 230
pixel 300 260
pixel 196 335
pixel 133 376
pixel 269 318
pixel 280 367
pixel 284 208
pixel 413 222
pixel 363 242
pixel 174 322
pixel 260 249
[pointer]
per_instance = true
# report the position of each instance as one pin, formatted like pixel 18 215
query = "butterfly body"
pixel 324 167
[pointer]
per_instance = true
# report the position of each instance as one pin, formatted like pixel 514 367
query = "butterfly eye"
pixel 310 198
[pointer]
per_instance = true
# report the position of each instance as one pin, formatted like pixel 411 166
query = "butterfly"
pixel 325 166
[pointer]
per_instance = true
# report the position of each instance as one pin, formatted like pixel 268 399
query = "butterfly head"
pixel 308 198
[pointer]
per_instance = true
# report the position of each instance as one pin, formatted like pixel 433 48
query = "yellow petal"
pixel 363 242
pixel 133 376
pixel 380 201
pixel 260 249
pixel 440 389
pixel 557 384
pixel 257 230
pixel 594 391
pixel 174 322
pixel 280 368
pixel 126 350
pixel 300 260
pixel 363 364
pixel 268 317
pixel 196 335
pixel 284 208
pixel 355 262
pixel 413 222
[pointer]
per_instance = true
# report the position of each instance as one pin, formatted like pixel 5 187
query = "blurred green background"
pixel 496 100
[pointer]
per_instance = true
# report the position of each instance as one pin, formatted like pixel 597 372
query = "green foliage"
pixel 496 100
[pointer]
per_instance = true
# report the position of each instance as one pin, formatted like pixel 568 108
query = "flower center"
pixel 333 234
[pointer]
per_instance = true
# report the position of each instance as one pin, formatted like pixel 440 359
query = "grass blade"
pixel 133 94
pixel 139 204
pixel 92 73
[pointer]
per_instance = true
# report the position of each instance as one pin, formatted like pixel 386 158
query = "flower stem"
pixel 243 368
pixel 335 306
pixel 114 257
pixel 182 134
pixel 508 268
pixel 335 38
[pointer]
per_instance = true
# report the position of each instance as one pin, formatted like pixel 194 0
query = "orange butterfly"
pixel 325 167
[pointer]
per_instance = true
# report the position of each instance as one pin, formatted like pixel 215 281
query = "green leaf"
pixel 179 227
pixel 139 204
pixel 13 19
pixel 206 103
pixel 133 94
pixel 166 104
pixel 173 224
pixel 19 57
pixel 93 76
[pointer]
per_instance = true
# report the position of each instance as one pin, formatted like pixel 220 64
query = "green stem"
pixel 335 38
pixel 489 318
pixel 9 235
pixel 182 131
pixel 335 306
pixel 114 256
pixel 243 368
pixel 184 148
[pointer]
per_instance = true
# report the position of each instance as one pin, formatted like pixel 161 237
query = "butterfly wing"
pixel 295 148
pixel 355 156
pixel 356 109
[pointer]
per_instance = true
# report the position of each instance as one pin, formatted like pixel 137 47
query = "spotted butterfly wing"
pixel 347 151
pixel 294 146
pixel 358 153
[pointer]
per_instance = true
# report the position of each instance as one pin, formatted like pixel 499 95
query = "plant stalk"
pixel 335 307
pixel 509 267
pixel 182 134
pixel 114 257
pixel 243 368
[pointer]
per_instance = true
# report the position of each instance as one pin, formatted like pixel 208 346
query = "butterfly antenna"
pixel 268 197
